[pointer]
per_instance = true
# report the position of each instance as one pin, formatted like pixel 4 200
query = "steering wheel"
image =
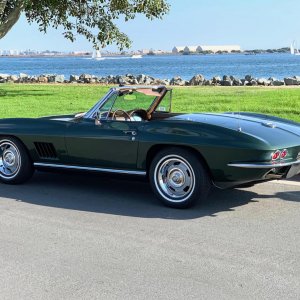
pixel 141 112
pixel 127 116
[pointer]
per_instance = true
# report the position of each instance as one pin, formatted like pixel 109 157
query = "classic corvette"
pixel 133 131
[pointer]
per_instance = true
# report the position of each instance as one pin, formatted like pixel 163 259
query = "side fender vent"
pixel 45 150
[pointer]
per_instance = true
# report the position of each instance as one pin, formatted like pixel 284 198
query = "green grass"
pixel 40 100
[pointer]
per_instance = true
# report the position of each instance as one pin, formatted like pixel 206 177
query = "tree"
pixel 93 19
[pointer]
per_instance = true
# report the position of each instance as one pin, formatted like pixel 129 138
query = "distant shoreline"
pixel 246 52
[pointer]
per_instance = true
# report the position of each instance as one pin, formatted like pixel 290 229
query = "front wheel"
pixel 179 178
pixel 15 163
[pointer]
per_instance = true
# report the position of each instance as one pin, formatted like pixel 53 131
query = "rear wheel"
pixel 15 163
pixel 178 178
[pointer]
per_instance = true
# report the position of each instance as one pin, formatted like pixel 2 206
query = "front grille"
pixel 45 150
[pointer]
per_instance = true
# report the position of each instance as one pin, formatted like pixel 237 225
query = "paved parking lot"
pixel 92 237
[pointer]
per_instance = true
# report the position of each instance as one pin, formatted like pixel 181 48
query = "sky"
pixel 252 24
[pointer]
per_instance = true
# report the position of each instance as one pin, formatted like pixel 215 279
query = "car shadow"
pixel 117 195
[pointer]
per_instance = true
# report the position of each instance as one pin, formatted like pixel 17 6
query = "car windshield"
pixel 133 100
pixel 128 104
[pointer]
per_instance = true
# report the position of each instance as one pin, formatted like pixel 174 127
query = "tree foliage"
pixel 93 19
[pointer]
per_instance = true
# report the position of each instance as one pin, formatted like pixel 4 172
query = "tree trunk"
pixel 7 22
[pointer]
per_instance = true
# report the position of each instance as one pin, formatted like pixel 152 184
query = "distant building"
pixel 228 48
pixel 178 49
pixel 202 48
pixel 190 49
pixel 158 52
pixel 144 51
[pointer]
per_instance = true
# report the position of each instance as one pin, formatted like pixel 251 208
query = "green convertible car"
pixel 132 131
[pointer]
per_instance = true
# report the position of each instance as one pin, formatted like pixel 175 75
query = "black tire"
pixel 15 164
pixel 178 177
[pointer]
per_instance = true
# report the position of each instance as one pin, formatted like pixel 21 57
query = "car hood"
pixel 63 118
pixel 275 131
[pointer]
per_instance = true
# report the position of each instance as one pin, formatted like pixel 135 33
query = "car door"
pixel 107 144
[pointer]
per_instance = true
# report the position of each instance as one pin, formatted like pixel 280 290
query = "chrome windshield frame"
pixel 91 112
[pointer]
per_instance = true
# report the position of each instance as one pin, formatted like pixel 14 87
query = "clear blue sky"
pixel 252 24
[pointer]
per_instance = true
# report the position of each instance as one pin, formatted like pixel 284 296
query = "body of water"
pixel 186 66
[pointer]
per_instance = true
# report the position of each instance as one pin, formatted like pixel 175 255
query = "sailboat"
pixel 97 55
pixel 294 49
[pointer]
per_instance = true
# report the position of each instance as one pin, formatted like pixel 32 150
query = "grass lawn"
pixel 40 100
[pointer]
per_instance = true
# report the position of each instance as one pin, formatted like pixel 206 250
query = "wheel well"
pixel 19 140
pixel 156 148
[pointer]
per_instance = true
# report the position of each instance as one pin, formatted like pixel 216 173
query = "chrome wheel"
pixel 10 159
pixel 174 178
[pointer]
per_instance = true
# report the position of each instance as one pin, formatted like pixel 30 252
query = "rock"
pixel 226 83
pixel 248 78
pixel 216 79
pixel 23 75
pixel 226 78
pixel 33 79
pixel 161 82
pixel 208 82
pixel 130 76
pixel 297 78
pixel 56 78
pixel 86 78
pixel 74 78
pixel 148 80
pixel 101 80
pixel 14 78
pixel 110 79
pixel 4 76
pixel 122 80
pixel 237 82
pixel 178 81
pixel 272 79
pixel 278 82
pixel 42 79
pixel 253 82
pixel 141 78
pixel 290 81
pixel 197 80
pixel 263 81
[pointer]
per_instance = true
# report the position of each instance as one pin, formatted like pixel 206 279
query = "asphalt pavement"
pixel 65 236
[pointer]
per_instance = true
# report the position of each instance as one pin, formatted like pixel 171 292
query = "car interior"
pixel 141 104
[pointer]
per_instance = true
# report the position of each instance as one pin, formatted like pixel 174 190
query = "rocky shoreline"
pixel 129 79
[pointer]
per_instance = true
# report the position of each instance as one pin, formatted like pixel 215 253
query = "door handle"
pixel 130 132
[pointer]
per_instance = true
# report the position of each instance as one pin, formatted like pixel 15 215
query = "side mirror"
pixel 97 122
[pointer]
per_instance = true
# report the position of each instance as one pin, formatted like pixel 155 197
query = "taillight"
pixel 284 153
pixel 276 155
